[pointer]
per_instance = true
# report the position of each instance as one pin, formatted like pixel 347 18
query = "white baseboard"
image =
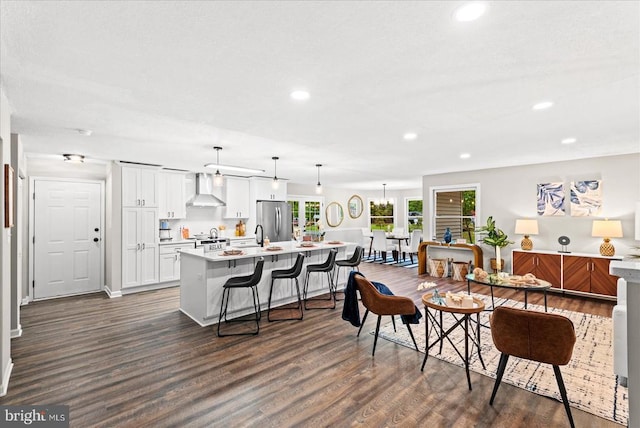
pixel 16 332
pixel 112 294
pixel 150 287
pixel 6 374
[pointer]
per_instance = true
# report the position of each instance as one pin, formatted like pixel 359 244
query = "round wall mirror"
pixel 356 206
pixel 334 214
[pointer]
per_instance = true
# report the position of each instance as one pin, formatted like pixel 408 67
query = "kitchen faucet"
pixel 213 233
pixel 261 240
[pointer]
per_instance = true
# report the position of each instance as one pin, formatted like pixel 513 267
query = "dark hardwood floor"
pixel 136 361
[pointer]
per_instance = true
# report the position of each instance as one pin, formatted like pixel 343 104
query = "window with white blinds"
pixel 456 208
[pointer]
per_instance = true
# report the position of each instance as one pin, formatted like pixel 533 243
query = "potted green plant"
pixel 494 237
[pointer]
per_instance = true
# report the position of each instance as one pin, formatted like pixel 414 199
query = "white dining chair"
pixel 366 238
pixel 414 243
pixel 380 244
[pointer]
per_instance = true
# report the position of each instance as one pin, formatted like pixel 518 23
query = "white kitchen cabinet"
pixel 139 187
pixel 139 246
pixel 170 261
pixel 171 199
pixel 236 197
pixel 262 189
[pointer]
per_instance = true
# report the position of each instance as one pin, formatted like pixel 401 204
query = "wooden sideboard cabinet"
pixel 588 274
pixel 568 272
pixel 543 266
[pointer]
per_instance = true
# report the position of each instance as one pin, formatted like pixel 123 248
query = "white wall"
pixel 510 193
pixel 342 197
pixel 18 239
pixel 5 251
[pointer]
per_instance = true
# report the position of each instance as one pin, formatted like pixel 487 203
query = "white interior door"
pixel 68 238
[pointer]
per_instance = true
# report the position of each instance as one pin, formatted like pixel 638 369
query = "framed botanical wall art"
pixel 551 199
pixel 586 198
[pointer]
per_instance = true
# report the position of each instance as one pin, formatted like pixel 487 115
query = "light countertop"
pixel 274 248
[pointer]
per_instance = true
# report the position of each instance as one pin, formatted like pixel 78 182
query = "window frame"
pixel 376 201
pixel 407 199
pixel 433 190
pixel 302 201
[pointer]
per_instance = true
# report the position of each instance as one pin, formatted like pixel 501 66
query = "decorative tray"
pixel 232 252
pixel 334 242
pixel 273 249
pixel 307 245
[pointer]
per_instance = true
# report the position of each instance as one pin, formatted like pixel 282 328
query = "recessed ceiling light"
pixel 570 140
pixel 410 136
pixel 85 132
pixel 469 11
pixel 465 156
pixel 542 105
pixel 300 95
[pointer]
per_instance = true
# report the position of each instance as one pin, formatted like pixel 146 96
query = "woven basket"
pixel 438 268
pixel 459 270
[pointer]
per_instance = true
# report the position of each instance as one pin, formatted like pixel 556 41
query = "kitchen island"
pixel 202 275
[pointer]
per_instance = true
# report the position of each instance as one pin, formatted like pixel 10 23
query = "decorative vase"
pixel 494 264
pixel 447 236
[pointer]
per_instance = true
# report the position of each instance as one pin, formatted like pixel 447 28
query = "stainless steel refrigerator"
pixel 275 218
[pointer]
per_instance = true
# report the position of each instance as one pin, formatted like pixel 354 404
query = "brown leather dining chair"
pixel 536 336
pixel 381 304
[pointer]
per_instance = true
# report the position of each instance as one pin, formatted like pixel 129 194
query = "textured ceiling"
pixel 163 82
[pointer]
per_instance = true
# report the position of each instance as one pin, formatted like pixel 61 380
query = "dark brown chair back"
pixel 538 336
pixel 382 304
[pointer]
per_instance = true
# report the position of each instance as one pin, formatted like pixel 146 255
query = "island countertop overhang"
pixel 287 247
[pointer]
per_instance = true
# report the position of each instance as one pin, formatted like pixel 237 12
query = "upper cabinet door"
pixel 139 187
pixel 148 188
pixel 130 197
pixel 236 197
pixel 262 189
pixel 171 200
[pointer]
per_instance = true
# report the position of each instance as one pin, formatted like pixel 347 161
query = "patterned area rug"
pixel 589 379
pixel 406 263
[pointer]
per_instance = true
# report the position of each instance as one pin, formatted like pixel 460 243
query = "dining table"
pixel 391 236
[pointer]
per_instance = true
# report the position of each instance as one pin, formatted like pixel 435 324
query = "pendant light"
pixel 218 181
pixel 384 200
pixel 242 169
pixel 275 183
pixel 318 186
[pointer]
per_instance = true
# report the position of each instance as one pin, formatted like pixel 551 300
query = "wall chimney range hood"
pixel 204 193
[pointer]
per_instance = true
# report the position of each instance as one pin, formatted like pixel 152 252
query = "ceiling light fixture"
pixel 570 140
pixel 318 186
pixel 410 136
pixel 465 156
pixel 542 105
pixel 217 166
pixel 73 158
pixel 275 183
pixel 85 132
pixel 300 95
pixel 218 180
pixel 469 12
pixel 384 200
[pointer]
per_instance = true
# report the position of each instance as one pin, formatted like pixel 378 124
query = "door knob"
pixel 95 239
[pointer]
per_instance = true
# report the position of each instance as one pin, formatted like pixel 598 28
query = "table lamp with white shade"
pixel 526 227
pixel 607 229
